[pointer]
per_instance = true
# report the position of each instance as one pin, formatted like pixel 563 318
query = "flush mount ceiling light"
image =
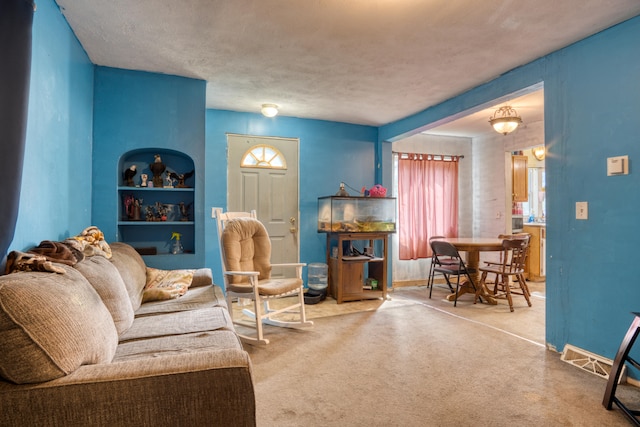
pixel 538 152
pixel 505 120
pixel 269 110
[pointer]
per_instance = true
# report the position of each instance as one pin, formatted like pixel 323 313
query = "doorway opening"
pixel 485 181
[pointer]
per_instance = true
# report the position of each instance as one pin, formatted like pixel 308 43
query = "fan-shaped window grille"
pixel 263 156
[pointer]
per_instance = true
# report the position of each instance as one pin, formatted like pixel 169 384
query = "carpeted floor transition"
pixel 415 361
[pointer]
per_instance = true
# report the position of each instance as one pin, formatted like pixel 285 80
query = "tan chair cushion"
pixel 50 324
pixel 246 247
pixel 106 280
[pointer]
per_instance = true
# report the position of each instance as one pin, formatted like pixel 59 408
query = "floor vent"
pixel 598 365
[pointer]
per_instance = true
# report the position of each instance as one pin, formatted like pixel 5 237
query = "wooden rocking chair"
pixel 245 249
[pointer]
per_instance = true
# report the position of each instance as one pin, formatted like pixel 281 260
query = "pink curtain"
pixel 427 202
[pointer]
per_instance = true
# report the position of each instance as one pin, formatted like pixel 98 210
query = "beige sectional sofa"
pixel 80 348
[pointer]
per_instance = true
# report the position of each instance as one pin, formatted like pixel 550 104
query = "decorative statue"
pixel 184 211
pixel 161 212
pixel 143 180
pixel 157 168
pixel 129 174
pixel 150 216
pixel 181 177
pixel 169 180
pixel 132 207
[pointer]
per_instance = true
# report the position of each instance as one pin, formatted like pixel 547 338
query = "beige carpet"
pixel 418 362
pixel 329 307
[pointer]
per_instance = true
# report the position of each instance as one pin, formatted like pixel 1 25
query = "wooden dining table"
pixel 473 246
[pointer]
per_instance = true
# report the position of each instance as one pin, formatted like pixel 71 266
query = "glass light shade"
pixel 269 110
pixel 539 153
pixel 505 120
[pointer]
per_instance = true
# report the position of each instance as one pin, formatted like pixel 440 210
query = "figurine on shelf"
pixel 128 206
pixel 169 180
pixel 143 180
pixel 157 168
pixel 184 211
pixel 181 177
pixel 149 213
pixel 137 206
pixel 128 175
pixel 132 207
pixel 161 212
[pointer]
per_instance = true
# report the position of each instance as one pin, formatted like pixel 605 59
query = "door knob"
pixel 293 228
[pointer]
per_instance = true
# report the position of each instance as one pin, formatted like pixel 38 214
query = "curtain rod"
pixel 444 157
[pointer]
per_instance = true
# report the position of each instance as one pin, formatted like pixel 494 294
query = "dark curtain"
pixel 16 19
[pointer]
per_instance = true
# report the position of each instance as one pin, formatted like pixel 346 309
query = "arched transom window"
pixel 263 156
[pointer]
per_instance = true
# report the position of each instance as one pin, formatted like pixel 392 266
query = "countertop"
pixel 535 224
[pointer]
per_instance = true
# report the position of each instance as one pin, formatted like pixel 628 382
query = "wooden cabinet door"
pixel 535 260
pixel 520 178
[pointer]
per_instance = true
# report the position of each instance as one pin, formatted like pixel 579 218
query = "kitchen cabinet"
pixel 520 183
pixel 535 266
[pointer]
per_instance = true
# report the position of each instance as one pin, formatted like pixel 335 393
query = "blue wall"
pixel 55 201
pixel 330 152
pixel 136 110
pixel 592 101
pixel 592 104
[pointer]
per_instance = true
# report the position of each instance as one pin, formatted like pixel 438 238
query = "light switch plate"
pixel 618 165
pixel 582 210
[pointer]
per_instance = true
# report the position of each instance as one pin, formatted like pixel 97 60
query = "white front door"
pixel 263 175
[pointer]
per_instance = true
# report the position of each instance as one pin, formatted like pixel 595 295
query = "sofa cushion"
pixel 166 284
pixel 202 277
pixel 132 270
pixel 196 342
pixel 179 323
pixel 106 280
pixel 50 324
pixel 200 297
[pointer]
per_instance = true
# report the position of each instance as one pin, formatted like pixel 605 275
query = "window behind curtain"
pixel 427 202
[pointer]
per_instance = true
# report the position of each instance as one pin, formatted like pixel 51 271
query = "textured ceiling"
pixel 358 61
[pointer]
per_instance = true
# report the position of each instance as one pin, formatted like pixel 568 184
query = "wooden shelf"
pixel 126 188
pixel 155 223
pixel 157 234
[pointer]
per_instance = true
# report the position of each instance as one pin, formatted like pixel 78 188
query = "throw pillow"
pixel 166 284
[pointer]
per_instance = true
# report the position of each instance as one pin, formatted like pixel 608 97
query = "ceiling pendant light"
pixel 505 120
pixel 269 110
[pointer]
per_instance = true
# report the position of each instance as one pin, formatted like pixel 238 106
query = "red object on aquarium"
pixel 378 191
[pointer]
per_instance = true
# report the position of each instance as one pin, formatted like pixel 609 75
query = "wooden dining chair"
pixel 510 273
pixel 443 249
pixel 523 236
